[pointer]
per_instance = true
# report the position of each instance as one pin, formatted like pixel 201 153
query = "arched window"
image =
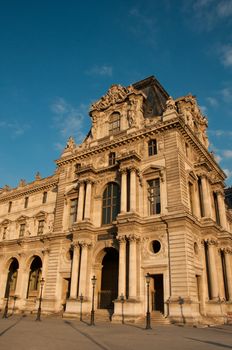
pixel 114 123
pixel 35 276
pixel 12 278
pixel 111 203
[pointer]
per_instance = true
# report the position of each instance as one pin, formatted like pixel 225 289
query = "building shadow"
pixel 89 337
pixel 12 326
pixel 211 342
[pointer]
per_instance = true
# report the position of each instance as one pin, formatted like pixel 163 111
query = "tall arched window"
pixel 114 123
pixel 12 278
pixel 34 276
pixel 111 203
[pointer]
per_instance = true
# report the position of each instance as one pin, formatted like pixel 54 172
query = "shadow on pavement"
pixel 13 325
pixel 211 342
pixel 86 335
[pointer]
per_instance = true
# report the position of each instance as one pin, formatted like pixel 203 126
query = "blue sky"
pixel 57 57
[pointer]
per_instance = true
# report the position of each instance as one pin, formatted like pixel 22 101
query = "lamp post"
pixel 94 280
pixel 15 298
pixel 5 314
pixel 181 302
pixel 122 299
pixel 81 301
pixel 148 315
pixel 40 299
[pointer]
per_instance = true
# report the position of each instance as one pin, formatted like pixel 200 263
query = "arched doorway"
pixel 34 277
pixel 12 278
pixel 109 280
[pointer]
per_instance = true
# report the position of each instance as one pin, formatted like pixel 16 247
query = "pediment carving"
pixel 116 94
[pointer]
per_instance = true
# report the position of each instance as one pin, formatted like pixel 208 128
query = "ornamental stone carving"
pixel 116 94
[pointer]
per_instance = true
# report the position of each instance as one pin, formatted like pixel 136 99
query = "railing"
pixel 105 299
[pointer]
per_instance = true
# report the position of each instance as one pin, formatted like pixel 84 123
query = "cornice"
pixel 123 140
pixel 29 189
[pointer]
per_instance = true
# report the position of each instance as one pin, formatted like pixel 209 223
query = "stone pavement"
pixel 23 333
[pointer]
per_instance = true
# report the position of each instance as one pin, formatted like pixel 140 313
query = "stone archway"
pixel 109 279
pixel 34 277
pixel 12 278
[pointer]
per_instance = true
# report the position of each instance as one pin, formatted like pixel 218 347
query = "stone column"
pixel 83 269
pixel 133 189
pixel 132 267
pixel 228 271
pixel 222 209
pixel 88 200
pixel 196 202
pixel 20 277
pixel 45 263
pixel 75 269
pixel 213 270
pixel 123 191
pixel 206 197
pixel 122 266
pixel 81 201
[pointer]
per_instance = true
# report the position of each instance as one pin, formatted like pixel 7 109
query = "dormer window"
pixel 9 207
pixel 152 147
pixel 22 230
pixel 114 123
pixel 45 195
pixel 26 202
pixel 112 158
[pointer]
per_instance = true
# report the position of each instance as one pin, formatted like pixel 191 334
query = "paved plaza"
pixel 23 333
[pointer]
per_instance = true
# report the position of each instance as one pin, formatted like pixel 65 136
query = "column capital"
pixel 133 238
pixel 123 170
pixel 75 245
pixel 121 239
pixel 227 250
pixel 45 251
pixel 212 241
pixel 85 244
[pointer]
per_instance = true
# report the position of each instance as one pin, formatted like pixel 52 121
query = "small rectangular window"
pixel 26 202
pixel 154 196
pixel 152 148
pixel 4 232
pixel 73 211
pixel 9 207
pixel 215 199
pixel 45 195
pixel 22 230
pixel 191 196
pixel 112 159
pixel 40 227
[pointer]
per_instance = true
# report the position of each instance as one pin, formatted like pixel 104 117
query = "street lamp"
pixel 181 302
pixel 5 314
pixel 122 299
pixel 81 301
pixel 94 280
pixel 42 281
pixel 148 315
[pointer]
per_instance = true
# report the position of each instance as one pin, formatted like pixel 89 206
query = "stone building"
pixel 142 194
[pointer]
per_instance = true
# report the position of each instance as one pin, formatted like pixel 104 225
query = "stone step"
pixel 157 318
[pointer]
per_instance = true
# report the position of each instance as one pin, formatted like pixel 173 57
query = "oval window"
pixel 156 246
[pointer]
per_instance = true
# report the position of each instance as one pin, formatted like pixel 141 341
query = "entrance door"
pixel 158 293
pixel 65 291
pixel 109 282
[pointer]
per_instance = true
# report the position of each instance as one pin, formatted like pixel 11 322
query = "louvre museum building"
pixel 135 213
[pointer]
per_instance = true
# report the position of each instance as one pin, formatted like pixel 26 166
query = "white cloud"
pixel 224 8
pixel 203 109
pixel 103 70
pixel 218 158
pixel 212 101
pixel 15 128
pixel 226 94
pixel 227 153
pixel 68 120
pixel 143 25
pixel 206 14
pixel 219 133
pixel 228 172
pixel 226 55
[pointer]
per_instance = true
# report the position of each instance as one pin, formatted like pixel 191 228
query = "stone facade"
pixel 142 194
